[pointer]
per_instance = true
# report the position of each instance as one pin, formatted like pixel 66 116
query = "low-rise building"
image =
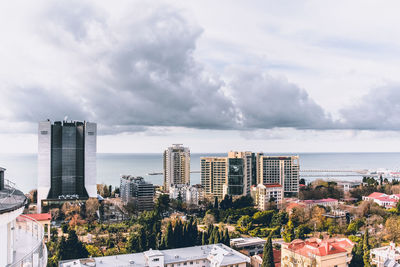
pixel 137 191
pixel 334 252
pixel 383 200
pixel 190 194
pixel 248 245
pixel 326 202
pixel 199 256
pixel 380 257
pixel 257 260
pixel 264 193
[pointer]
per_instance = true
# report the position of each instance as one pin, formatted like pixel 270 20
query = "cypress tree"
pixel 215 203
pixel 366 249
pixel 142 240
pixel 204 239
pixel 169 237
pixel 178 233
pixel 227 239
pixel 268 253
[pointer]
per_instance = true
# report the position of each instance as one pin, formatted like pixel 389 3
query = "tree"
pixel 142 239
pixel 72 248
pixel 92 205
pixel 162 203
pixel 169 237
pixel 392 228
pixel 215 203
pixel 133 244
pixel 357 253
pixel 288 232
pixel 268 253
pixel 204 238
pixel 226 239
pixel 366 249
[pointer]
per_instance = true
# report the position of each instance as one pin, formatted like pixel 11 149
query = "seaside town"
pixel 250 209
pixel 170 133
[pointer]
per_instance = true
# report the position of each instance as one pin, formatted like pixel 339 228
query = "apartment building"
pixel 176 166
pixel 283 170
pixel 137 191
pixel 214 176
pixel 190 194
pixel 386 256
pixel 265 193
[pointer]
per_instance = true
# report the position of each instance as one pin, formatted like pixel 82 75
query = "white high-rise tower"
pixel 176 166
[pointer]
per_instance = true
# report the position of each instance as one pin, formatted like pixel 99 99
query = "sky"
pixel 272 76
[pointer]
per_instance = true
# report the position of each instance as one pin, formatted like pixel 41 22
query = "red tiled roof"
pixel 376 195
pixel 317 247
pixel 40 216
pixel 388 199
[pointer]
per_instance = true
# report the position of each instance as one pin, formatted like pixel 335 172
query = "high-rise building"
pixel 176 166
pixel 213 176
pixel 283 170
pixel 66 161
pixel 231 175
pixel 137 191
pixel 2 178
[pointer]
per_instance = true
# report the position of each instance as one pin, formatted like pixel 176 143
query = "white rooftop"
pixel 218 254
pixel 246 241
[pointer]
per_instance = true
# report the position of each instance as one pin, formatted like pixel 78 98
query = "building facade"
pixel 190 194
pixel 137 191
pixel 248 245
pixel 283 170
pixel 382 199
pixel 66 161
pixel 176 166
pixel 265 193
pixel 213 176
pixel 334 252
pixel 216 255
pixel 22 238
pixel 380 257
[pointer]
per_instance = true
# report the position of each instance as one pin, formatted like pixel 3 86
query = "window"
pixel 156 259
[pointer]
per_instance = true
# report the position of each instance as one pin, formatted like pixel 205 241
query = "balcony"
pixel 30 249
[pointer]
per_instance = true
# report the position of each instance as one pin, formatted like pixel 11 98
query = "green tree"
pixel 366 249
pixel 133 243
pixel 162 203
pixel 204 239
pixel 169 237
pixel 215 203
pixel 288 232
pixel 268 253
pixel 226 239
pixel 72 248
pixel 178 234
pixel 357 255
pixel 142 239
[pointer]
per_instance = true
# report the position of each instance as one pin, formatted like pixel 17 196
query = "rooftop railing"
pixel 30 247
pixel 10 197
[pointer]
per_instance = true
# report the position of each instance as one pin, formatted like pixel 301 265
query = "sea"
pixel 22 168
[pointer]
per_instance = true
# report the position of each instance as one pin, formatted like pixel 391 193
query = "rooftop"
pixel 317 247
pixel 218 253
pixel 40 216
pixel 11 198
pixel 247 241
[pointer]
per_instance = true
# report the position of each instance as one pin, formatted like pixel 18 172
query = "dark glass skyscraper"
pixel 67 161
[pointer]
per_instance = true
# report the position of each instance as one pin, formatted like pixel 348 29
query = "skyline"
pixel 290 77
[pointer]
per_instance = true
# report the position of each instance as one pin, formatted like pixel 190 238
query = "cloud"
pixel 135 69
pixel 377 110
pixel 265 102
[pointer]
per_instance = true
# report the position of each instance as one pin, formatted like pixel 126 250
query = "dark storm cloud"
pixel 136 71
pixel 267 102
pixel 377 110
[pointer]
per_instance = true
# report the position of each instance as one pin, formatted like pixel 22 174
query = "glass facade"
pixel 67 160
pixel 235 176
